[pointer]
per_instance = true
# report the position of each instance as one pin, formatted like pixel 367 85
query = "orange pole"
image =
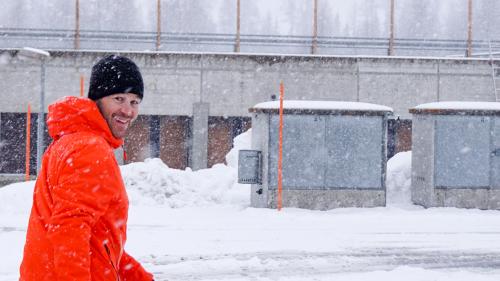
pixel 82 81
pixel 28 142
pixel 280 154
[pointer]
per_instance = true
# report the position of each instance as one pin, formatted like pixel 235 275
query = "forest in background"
pixel 443 19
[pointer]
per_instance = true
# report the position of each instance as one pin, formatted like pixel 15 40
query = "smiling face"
pixel 119 111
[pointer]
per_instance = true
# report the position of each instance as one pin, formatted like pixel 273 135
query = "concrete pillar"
pixel 200 135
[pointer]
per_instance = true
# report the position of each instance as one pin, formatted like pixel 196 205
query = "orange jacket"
pixel 77 227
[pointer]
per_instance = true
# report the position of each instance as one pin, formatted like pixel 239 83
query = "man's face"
pixel 119 110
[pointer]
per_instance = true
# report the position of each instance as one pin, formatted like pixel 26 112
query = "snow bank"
pixel 242 141
pixel 398 180
pixel 153 182
pixel 17 198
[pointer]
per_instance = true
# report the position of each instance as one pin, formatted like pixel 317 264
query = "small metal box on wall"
pixel 456 155
pixel 334 154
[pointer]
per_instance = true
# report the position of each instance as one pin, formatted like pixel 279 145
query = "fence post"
pixel 77 24
pixel 469 29
pixel 314 45
pixel 158 25
pixel 391 29
pixel 238 26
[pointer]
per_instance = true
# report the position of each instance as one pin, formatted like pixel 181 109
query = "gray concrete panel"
pixel 494 199
pixel 465 81
pixel 199 145
pixel 328 199
pixel 16 95
pixel 466 88
pixel 260 139
pixel 422 161
pixel 466 198
pixel 178 80
pixel 170 92
pixel 399 91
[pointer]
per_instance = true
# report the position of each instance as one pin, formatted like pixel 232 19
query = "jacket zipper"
pixel 111 262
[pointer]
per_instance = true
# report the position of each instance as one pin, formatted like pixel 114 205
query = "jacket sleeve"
pixel 132 270
pixel 82 194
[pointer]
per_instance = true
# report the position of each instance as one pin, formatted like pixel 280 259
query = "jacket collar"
pixel 70 115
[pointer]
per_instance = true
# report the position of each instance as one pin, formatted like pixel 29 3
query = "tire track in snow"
pixel 258 265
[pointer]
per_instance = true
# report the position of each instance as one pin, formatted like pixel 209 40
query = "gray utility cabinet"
pixel 456 155
pixel 334 154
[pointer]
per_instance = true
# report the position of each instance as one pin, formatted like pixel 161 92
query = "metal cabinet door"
pixel 355 150
pixel 303 151
pixel 462 152
pixel 495 153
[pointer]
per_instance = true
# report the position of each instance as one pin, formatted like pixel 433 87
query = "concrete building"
pixel 334 154
pixel 456 155
pixel 196 103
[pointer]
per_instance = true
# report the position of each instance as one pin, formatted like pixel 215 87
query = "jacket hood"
pixel 70 115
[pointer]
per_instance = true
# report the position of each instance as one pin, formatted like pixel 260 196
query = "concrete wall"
pixel 230 84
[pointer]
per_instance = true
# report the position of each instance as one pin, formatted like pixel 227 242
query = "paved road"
pixel 274 265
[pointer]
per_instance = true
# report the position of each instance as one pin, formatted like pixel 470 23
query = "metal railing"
pixel 249 43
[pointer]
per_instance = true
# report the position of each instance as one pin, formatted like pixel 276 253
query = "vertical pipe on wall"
pixel 314 45
pixel 238 26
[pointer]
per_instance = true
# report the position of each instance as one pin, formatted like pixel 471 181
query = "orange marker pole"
pixel 280 153
pixel 28 142
pixel 81 85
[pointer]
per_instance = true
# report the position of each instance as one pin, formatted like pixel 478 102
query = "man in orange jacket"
pixel 78 223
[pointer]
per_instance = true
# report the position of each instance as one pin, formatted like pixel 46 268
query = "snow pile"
pixel 240 142
pixel 398 180
pixel 16 198
pixel 152 182
pixel 4 58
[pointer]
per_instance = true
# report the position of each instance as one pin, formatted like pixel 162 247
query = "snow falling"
pixel 197 225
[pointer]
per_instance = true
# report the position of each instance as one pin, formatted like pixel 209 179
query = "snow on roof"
pixel 32 52
pixel 455 106
pixel 323 105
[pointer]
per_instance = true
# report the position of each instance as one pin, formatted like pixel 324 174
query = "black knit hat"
pixel 115 74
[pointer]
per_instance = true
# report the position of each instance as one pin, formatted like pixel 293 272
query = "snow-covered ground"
pixel 187 225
